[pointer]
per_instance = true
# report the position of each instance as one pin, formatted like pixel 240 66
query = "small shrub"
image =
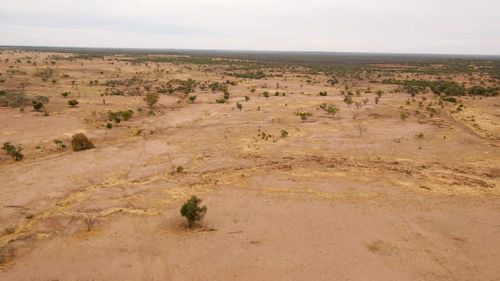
pixel 127 114
pixel 37 105
pixel 192 99
pixel 403 116
pixel 323 93
pixel 12 99
pixel 179 169
pixel 10 230
pixel 72 103
pixel 90 220
pixel 13 151
pixel 81 142
pixel 303 115
pixel 151 99
pixel 59 144
pixel 331 109
pixel 192 211
pixel 284 133
pixel 239 106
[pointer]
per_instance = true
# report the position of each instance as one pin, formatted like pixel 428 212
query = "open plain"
pixel 311 168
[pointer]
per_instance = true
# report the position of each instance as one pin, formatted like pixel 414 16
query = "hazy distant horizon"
pixel 457 27
pixel 201 50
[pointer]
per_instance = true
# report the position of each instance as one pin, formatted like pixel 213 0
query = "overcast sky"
pixel 402 26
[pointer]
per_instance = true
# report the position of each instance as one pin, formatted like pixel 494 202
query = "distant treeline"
pixel 448 88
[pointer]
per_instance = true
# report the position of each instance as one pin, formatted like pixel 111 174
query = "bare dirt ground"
pixel 354 197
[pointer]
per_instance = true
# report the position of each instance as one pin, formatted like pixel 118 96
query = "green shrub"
pixel 331 109
pixel 72 103
pixel 13 151
pixel 37 105
pixel 192 211
pixel 11 99
pixel 151 99
pixel 80 142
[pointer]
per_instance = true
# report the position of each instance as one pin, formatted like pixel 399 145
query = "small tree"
pixel 65 94
pixel 192 211
pixel 72 103
pixel 81 142
pixel 192 99
pixel 151 99
pixel 239 106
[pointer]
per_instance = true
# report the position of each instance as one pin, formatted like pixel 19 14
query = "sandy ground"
pixel 355 197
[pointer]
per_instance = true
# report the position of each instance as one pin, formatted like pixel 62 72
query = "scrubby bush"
pixel 192 211
pixel 151 98
pixel 323 93
pixel 12 99
pixel 126 114
pixel 59 144
pixel 80 141
pixel 331 109
pixel 37 105
pixel 192 99
pixel 72 103
pixel 239 106
pixel 13 151
pixel 303 115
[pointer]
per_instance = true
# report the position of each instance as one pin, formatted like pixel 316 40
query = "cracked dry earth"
pixel 323 203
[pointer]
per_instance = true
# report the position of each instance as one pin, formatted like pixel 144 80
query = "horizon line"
pixel 248 51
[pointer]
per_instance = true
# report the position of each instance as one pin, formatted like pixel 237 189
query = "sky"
pixel 386 26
